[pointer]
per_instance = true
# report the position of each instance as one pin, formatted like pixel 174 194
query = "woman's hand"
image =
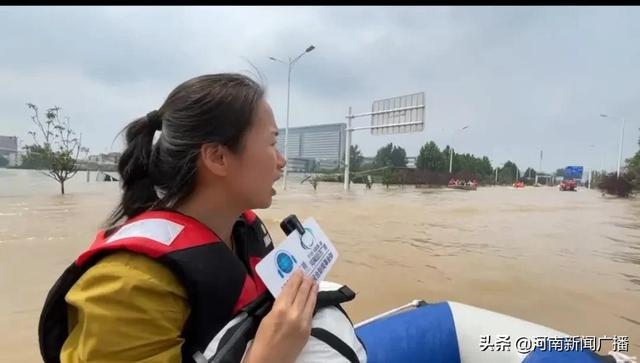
pixel 283 332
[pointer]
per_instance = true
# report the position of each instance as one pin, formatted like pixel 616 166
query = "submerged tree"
pixel 390 155
pixel 355 158
pixel 56 144
pixel 313 180
pixel 614 185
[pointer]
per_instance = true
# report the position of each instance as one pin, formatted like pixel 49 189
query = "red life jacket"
pixel 217 282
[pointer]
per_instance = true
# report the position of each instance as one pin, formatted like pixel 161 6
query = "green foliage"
pixel 35 157
pixel 611 184
pixel 633 169
pixel 507 174
pixel 530 173
pixel 467 166
pixel 355 158
pixel 390 155
pixel 56 147
pixel 388 178
pixel 430 158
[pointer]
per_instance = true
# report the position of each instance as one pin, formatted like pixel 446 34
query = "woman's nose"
pixel 282 161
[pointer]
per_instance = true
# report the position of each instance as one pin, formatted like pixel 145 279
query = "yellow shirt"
pixel 126 308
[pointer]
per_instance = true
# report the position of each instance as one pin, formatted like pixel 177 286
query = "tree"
pixel 3 161
pixel 314 181
pixel 388 177
pixel 507 174
pixel 398 157
pixel 467 165
pixel 485 166
pixel 383 156
pixel 59 149
pixel 560 172
pixel 34 158
pixel 390 155
pixel 430 158
pixel 633 169
pixel 529 176
pixel 355 158
pixel 614 185
pixel 530 173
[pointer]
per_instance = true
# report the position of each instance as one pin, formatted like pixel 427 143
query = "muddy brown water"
pixel 567 260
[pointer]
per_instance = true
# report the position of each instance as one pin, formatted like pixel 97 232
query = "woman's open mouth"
pixel 273 190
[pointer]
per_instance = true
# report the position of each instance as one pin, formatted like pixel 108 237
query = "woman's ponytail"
pixel 138 191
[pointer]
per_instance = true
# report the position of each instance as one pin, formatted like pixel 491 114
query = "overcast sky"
pixel 525 78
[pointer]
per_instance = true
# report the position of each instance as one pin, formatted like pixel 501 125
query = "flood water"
pixel 567 260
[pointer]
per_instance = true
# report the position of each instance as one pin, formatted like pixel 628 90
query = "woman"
pixel 177 260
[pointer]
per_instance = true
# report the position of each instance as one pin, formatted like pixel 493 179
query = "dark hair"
pixel 216 108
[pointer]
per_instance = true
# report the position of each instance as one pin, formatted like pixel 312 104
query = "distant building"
pixel 105 159
pixel 411 161
pixel 318 146
pixel 9 149
pixel 8 145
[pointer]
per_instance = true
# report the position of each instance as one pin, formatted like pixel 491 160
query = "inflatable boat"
pixel 463 186
pixel 451 332
pixel 518 185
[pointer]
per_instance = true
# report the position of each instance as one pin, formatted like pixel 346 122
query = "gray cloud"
pixel 524 78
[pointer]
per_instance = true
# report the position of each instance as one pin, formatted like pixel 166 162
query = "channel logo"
pixel 285 263
pixel 308 239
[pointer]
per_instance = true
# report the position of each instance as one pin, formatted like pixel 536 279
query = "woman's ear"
pixel 214 159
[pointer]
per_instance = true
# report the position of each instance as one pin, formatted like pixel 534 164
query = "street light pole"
pixel 286 129
pixel 620 148
pixel 498 167
pixel 451 151
pixel 620 142
pixel 450 159
pixel 290 65
pixel 592 168
pixel 347 150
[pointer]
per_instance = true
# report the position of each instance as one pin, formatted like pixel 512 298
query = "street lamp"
pixel 591 169
pixel 451 151
pixel 290 65
pixel 497 168
pixel 594 171
pixel 621 140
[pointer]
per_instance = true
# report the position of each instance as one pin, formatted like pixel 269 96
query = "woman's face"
pixel 258 163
